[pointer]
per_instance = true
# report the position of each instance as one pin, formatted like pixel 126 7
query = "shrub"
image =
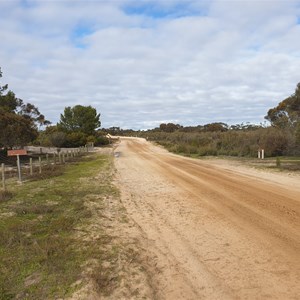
pixel 101 141
pixel 75 139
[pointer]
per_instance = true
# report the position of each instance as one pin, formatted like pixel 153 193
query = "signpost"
pixel 17 153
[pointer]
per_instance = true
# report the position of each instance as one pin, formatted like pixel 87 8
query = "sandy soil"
pixel 211 229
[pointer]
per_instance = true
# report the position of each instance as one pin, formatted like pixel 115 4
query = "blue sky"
pixel 155 10
pixel 141 63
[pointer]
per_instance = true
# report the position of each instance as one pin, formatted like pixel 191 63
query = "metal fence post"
pixel 19 168
pixel 3 176
pixel 30 166
pixel 40 165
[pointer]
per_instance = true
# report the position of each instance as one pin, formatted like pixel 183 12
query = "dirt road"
pixel 208 231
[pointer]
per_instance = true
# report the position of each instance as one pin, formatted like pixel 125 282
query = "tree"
pixel 2 88
pixel 170 127
pixel 18 121
pixel 79 118
pixel 15 130
pixel 29 111
pixel 287 112
pixel 286 117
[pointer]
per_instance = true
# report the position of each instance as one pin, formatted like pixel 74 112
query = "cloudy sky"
pixel 141 63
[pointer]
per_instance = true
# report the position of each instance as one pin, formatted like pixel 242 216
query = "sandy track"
pixel 209 232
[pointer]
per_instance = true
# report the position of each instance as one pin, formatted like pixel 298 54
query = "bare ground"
pixel 209 229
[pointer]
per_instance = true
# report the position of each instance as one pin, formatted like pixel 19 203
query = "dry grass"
pixel 290 164
pixel 47 172
pixel 5 196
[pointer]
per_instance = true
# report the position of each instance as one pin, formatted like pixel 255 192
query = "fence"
pixel 39 161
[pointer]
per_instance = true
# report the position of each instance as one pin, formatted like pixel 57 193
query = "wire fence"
pixel 37 163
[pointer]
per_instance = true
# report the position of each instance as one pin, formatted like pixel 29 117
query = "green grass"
pixel 40 254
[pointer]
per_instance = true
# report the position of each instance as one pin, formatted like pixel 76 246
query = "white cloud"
pixel 224 61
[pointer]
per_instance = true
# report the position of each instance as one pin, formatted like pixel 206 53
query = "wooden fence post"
pixel 47 158
pixel 3 176
pixel 54 158
pixel 63 157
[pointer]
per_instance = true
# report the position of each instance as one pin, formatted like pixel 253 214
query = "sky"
pixel 146 62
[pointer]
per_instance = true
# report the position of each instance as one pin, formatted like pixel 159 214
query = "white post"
pixel 3 176
pixel 258 154
pixel 19 168
pixel 262 154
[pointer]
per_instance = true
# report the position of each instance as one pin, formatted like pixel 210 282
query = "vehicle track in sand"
pixel 210 232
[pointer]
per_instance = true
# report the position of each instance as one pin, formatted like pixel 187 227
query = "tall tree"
pixel 18 121
pixel 79 119
pixel 287 112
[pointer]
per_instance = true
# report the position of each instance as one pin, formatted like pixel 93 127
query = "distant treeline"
pixel 220 139
pixel 282 137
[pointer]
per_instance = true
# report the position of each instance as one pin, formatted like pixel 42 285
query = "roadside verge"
pixel 66 237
